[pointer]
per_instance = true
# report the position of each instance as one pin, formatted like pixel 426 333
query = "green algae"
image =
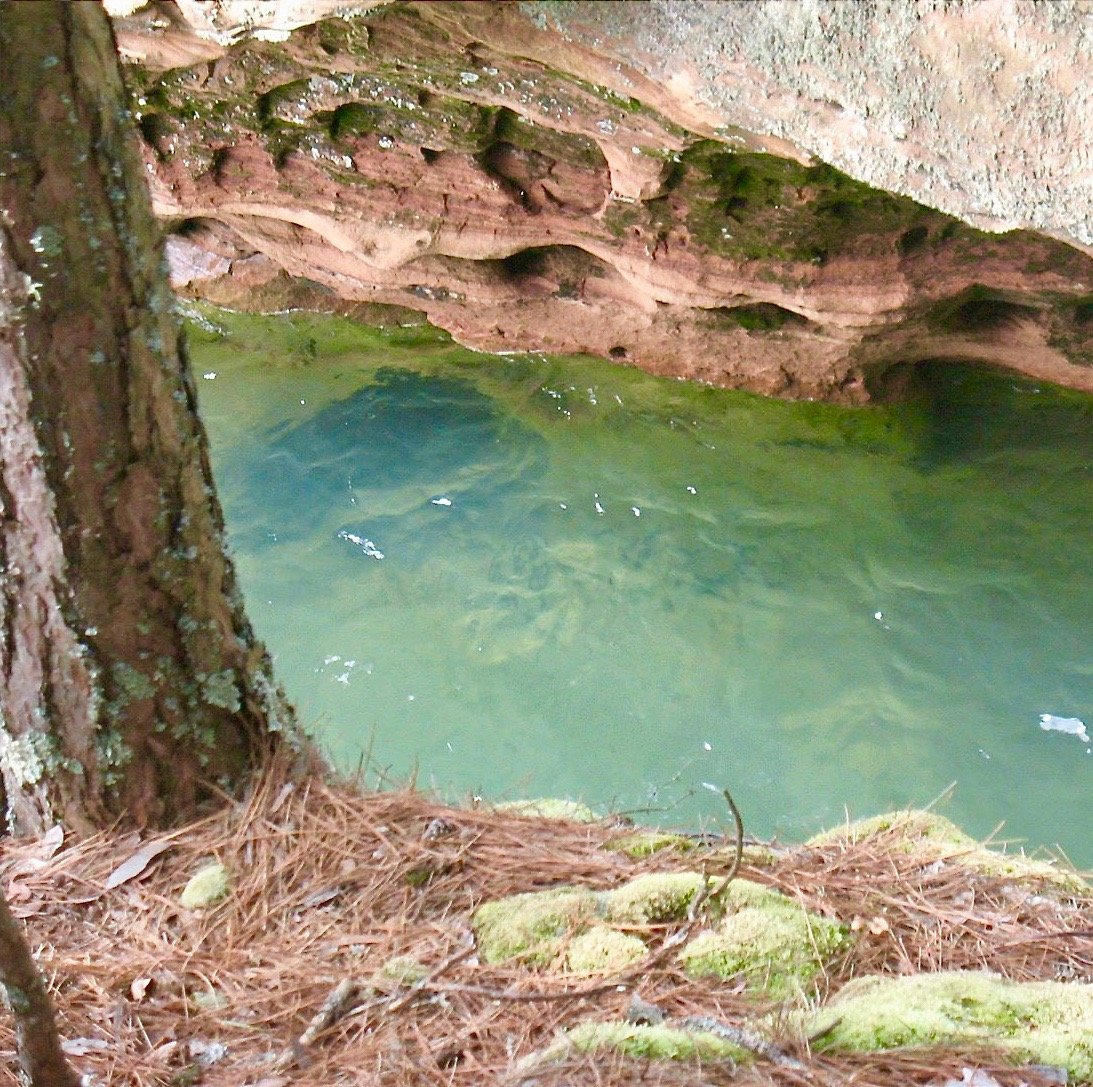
pixel 1048 1022
pixel 603 950
pixel 653 1043
pixel 938 839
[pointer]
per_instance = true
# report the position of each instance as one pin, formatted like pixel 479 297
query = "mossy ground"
pixel 365 904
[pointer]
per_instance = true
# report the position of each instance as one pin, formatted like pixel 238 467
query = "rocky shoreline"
pixel 429 157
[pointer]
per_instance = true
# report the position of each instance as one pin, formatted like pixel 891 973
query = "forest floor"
pixel 347 950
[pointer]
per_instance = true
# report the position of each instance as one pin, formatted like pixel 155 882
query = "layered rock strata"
pixel 439 158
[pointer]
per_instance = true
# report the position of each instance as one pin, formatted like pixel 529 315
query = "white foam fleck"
pixel 442 501
pixel 1071 726
pixel 367 546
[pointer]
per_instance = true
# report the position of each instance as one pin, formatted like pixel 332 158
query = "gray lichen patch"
pixel 1048 1022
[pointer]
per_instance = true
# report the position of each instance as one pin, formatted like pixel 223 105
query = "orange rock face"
pixel 400 159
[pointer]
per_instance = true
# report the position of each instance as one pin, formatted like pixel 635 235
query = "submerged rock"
pixel 1049 1022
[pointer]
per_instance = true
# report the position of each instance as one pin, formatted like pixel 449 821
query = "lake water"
pixel 542 576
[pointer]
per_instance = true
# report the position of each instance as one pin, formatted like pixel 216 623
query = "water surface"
pixel 523 575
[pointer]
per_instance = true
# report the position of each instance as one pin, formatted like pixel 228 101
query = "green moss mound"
pixel 777 946
pixel 644 843
pixel 603 950
pixel 654 899
pixel 937 838
pixel 643 1042
pixel 530 927
pixel 1047 1022
pixel 550 808
pixel 207 886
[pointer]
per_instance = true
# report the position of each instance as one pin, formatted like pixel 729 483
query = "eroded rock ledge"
pixel 457 160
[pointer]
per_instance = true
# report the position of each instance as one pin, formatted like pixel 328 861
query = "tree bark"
pixel 36 1036
pixel 130 674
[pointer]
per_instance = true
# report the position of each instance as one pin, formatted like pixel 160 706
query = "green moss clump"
pixel 603 950
pixel 644 1042
pixel 550 808
pixel 774 944
pixel 530 927
pixel 1049 1022
pixel 644 843
pixel 404 969
pixel 936 838
pixel 655 898
pixel 206 887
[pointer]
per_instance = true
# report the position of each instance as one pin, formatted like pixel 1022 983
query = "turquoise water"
pixel 605 585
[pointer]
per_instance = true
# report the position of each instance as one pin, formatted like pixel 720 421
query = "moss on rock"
pixel 550 808
pixel 644 843
pixel 404 969
pixel 939 839
pixel 654 1043
pixel 530 927
pixel 654 898
pixel 207 886
pixel 603 950
pixel 1049 1022
pixel 768 939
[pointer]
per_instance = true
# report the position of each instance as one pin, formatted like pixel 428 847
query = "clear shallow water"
pixel 601 584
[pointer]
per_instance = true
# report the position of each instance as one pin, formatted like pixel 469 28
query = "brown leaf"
pixel 132 866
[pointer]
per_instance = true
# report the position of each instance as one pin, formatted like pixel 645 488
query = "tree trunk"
pixel 130 674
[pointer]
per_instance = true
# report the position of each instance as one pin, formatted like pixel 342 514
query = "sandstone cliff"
pixel 503 169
